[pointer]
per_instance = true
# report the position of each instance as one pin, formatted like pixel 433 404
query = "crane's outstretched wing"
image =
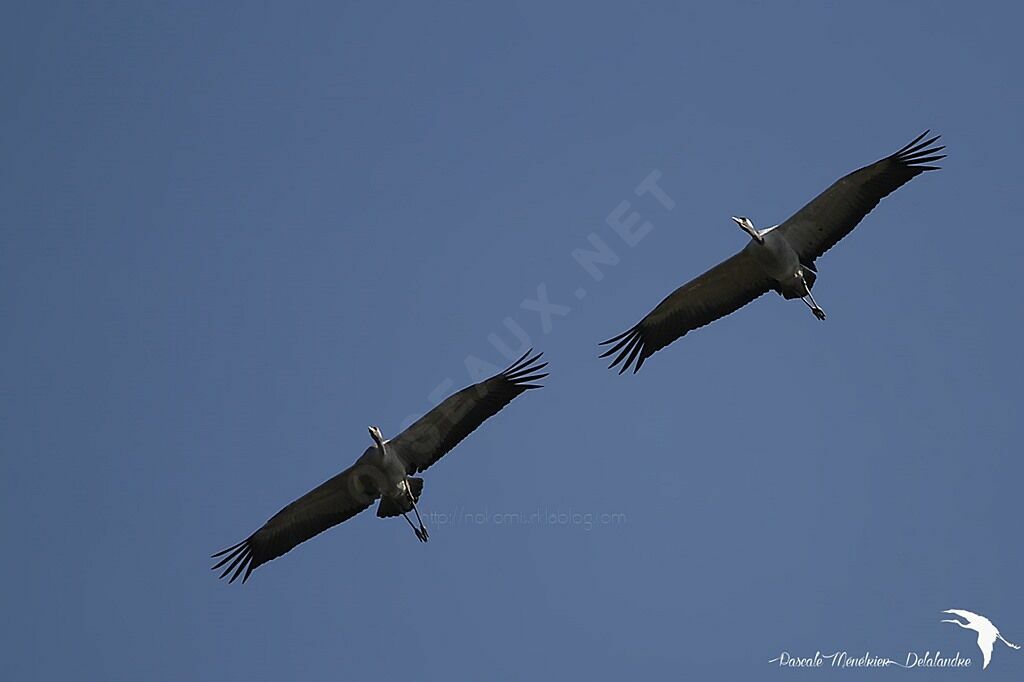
pixel 985 644
pixel 969 616
pixel 441 429
pixel 723 289
pixel 337 499
pixel 833 214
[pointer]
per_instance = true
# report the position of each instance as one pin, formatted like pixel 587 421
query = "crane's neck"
pixel 380 447
pixel 754 234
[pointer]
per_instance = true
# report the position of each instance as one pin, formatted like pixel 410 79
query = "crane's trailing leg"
pixel 1009 644
pixel 421 532
pixel 812 304
pixel 419 535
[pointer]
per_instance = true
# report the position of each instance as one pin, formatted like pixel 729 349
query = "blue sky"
pixel 233 237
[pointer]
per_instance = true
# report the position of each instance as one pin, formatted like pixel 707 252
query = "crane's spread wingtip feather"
pixel 912 142
pixel 914 154
pixel 225 551
pixel 526 364
pixel 918 155
pixel 616 338
pixel 228 558
pixel 922 145
pixel 525 370
pixel 241 567
pixel 640 363
pixel 533 368
pixel 632 356
pixel 626 346
pixel 926 152
pixel 634 346
pixel 631 349
pixel 534 359
pixel 235 576
pixel 241 562
pixel 520 362
pixel 238 557
pixel 235 561
pixel 929 159
pixel 916 145
pixel 626 338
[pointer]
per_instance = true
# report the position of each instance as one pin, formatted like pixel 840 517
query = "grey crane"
pixel 780 258
pixel 384 471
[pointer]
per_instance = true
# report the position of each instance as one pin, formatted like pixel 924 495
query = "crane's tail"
pixel 1009 644
pixel 390 506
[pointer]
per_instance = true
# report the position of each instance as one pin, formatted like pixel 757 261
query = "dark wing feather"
pixel 327 505
pixel 723 289
pixel 441 429
pixel 833 214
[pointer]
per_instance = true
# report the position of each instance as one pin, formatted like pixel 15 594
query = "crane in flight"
pixel 779 258
pixel 987 632
pixel 384 471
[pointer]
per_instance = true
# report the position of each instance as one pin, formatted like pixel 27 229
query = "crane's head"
pixel 376 435
pixel 748 226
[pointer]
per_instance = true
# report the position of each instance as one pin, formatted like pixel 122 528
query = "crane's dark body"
pixel 780 259
pixel 780 263
pixel 392 483
pixel 384 471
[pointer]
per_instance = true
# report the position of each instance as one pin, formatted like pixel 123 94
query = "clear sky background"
pixel 232 237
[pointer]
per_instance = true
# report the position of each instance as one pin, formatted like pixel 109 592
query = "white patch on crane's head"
pixel 747 225
pixel 375 434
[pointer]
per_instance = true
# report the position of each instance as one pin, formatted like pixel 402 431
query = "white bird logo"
pixel 987 632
